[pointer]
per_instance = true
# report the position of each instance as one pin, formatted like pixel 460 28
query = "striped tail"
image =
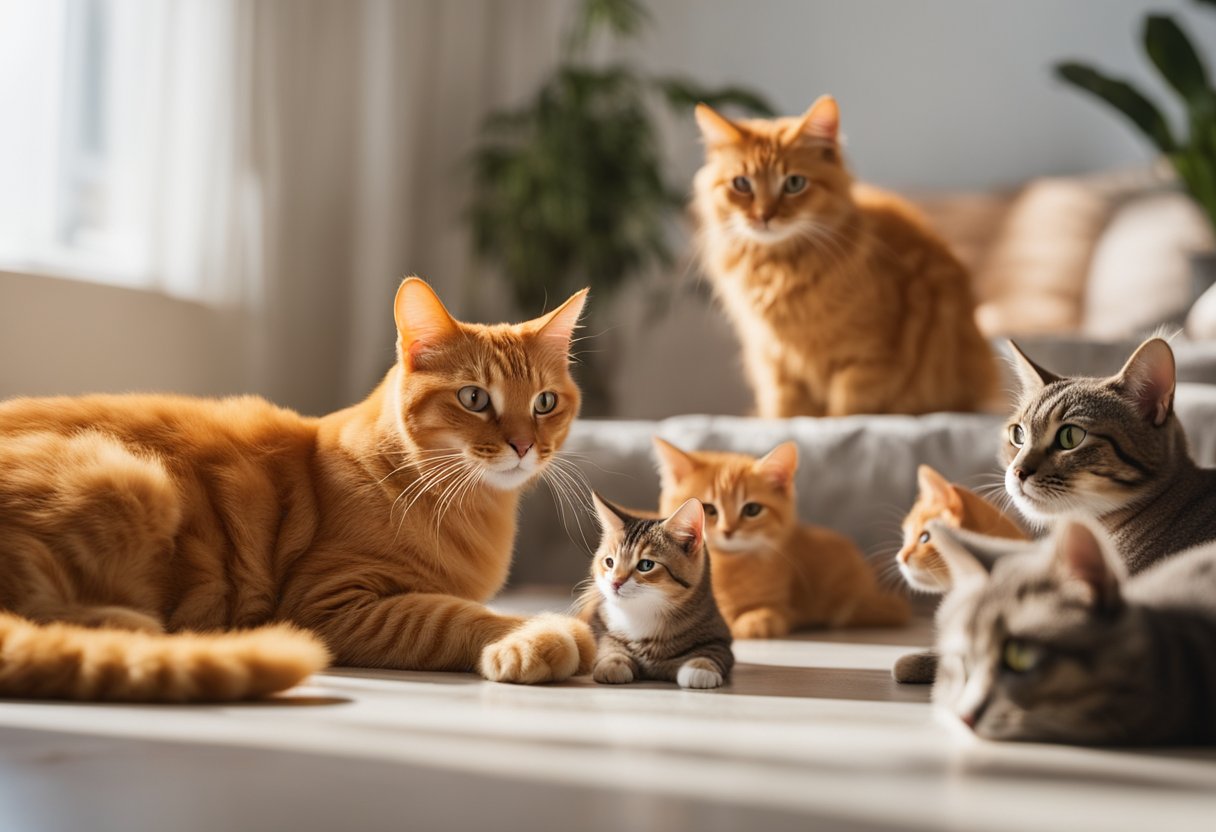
pixel 65 661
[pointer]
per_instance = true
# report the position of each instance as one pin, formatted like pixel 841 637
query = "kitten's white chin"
pixel 635 614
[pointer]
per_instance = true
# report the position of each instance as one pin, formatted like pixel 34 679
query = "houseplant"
pixel 1192 151
pixel 569 189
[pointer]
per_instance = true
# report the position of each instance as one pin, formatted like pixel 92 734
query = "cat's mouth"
pixel 925 580
pixel 734 544
pixel 510 475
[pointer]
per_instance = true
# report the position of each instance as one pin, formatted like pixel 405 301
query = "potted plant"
pixel 569 189
pixel 1192 152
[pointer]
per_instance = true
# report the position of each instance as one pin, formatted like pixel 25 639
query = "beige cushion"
pixel 1141 271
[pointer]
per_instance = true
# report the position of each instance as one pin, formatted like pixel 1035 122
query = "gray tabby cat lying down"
pixel 1051 641
pixel 1111 449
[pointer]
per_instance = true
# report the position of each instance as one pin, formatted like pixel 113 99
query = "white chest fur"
pixel 636 617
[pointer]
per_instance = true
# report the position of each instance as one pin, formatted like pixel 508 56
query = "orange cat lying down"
pixel 380 528
pixel 771 573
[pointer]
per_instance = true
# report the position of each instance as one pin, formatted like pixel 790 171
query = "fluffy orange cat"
pixel 939 499
pixel 771 573
pixel 842 297
pixel 380 528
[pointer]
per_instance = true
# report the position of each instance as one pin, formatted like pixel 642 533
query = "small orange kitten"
pixel 771 573
pixel 844 299
pixel 939 499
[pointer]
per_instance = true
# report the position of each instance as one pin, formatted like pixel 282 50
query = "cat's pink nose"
pixel 1023 474
pixel 969 719
pixel 521 446
pixel 616 584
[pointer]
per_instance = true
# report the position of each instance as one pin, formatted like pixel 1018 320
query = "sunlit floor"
pixel 812 734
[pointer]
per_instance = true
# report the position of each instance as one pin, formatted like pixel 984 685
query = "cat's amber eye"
pixel 1017 436
pixel 924 537
pixel 645 565
pixel 1020 657
pixel 794 184
pixel 473 398
pixel 741 184
pixel 545 402
pixel 1070 436
pixel 752 509
pixel 608 562
pixel 710 510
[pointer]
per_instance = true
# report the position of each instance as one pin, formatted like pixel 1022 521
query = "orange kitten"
pixel 771 573
pixel 381 528
pixel 939 499
pixel 842 297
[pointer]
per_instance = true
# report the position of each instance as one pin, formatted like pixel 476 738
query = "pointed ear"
pixel 1149 377
pixel 779 465
pixel 560 324
pixel 933 486
pixel 1031 376
pixel 717 129
pixel 970 556
pixel 422 320
pixel 1084 557
pixel 822 120
pixel 612 519
pixel 674 464
pixel 687 525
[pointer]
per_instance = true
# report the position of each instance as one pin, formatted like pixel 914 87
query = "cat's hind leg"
pixel 915 668
pixel 762 622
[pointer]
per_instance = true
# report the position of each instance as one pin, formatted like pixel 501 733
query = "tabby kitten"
pixel 843 298
pixel 1050 641
pixel 381 528
pixel 921 564
pixel 652 603
pixel 1111 449
pixel 772 574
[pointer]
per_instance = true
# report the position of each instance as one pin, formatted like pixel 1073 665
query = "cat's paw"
pixel 547 648
pixel 915 668
pixel 763 623
pixel 613 670
pixel 699 673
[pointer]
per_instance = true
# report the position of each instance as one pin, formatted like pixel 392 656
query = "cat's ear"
pixel 612 519
pixel 1031 376
pixel 674 464
pixel 933 486
pixel 1149 377
pixel 779 465
pixel 560 324
pixel 970 556
pixel 687 526
pixel 822 120
pixel 1085 559
pixel 422 320
pixel 717 129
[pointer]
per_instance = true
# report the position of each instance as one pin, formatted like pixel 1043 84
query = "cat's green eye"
pixel 608 562
pixel 473 398
pixel 1020 657
pixel 545 402
pixel 1017 436
pixel 752 509
pixel 1070 436
pixel 741 184
pixel 924 537
pixel 645 565
pixel 794 184
pixel 710 510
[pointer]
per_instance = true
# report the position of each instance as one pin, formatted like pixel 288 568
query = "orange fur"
pixel 380 528
pixel 939 499
pixel 771 573
pixel 843 298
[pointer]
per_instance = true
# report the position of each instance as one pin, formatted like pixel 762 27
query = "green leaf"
pixel 1123 97
pixel 1175 57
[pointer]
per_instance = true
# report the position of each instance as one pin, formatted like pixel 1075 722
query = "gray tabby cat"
pixel 652 603
pixel 1111 449
pixel 1050 641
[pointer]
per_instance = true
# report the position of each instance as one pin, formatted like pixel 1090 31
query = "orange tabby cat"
pixel 771 573
pixel 842 297
pixel 939 499
pixel 380 528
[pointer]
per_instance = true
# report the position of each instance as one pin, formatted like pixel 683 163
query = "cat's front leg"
pixel 862 388
pixel 700 673
pixel 763 622
pixel 428 631
pixel 613 665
